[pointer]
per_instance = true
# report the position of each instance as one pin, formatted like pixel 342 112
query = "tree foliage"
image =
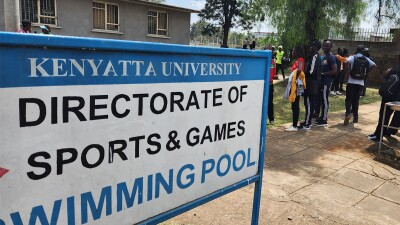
pixel 203 28
pixel 387 11
pixel 300 21
pixel 225 14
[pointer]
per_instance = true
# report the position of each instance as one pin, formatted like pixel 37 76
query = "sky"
pixel 368 22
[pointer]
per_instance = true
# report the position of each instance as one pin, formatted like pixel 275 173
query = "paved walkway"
pixel 324 176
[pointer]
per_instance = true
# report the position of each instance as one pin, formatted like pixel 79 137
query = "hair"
pixel 299 50
pixel 345 52
pixel 340 51
pixel 25 23
pixel 328 55
pixel 316 43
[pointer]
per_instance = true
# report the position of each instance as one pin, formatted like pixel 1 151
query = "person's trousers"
pixel 341 80
pixel 395 123
pixel 353 99
pixel 280 67
pixel 296 111
pixel 387 118
pixel 336 81
pixel 271 103
pixel 309 105
pixel 364 88
pixel 324 101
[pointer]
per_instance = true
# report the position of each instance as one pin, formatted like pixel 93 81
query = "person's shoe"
pixel 373 138
pixel 271 122
pixel 292 128
pixel 304 127
pixel 333 93
pixel 355 120
pixel 347 119
pixel 372 135
pixel 321 123
pixel 339 93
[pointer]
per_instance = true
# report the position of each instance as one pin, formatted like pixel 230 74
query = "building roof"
pixel 171 7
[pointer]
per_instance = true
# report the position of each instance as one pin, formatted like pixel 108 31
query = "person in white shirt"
pixel 355 85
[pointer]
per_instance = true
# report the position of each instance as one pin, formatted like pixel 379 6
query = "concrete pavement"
pixel 326 175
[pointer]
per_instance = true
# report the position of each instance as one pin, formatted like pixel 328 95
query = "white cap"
pixel 280 46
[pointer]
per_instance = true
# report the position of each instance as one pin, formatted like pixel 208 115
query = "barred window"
pixel 105 16
pixel 39 11
pixel 158 23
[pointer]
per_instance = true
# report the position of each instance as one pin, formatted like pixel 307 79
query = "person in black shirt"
pixel 328 71
pixel 396 117
pixel 313 74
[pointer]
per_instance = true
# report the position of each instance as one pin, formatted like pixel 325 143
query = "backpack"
pixel 360 68
pixel 391 86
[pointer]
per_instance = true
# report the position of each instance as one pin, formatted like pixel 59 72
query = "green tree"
pixel 225 14
pixel 300 21
pixel 388 10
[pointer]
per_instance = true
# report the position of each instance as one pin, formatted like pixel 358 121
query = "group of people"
pixel 26 28
pixel 314 79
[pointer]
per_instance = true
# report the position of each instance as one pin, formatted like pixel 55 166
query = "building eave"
pixel 165 6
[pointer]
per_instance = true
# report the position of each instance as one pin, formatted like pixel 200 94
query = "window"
pixel 105 16
pixel 158 23
pixel 39 11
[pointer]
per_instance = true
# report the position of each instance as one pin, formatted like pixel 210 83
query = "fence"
pixel 216 42
pixel 360 34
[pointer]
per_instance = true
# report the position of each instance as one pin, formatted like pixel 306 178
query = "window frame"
pixel 157 24
pixel 106 4
pixel 39 16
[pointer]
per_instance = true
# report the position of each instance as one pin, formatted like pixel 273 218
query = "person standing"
pixel 271 116
pixel 313 74
pixel 392 75
pixel 359 68
pixel 296 86
pixel 328 71
pixel 366 54
pixel 336 81
pixel 279 63
pixel 26 27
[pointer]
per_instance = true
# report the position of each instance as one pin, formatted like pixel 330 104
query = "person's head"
pixel 360 49
pixel 298 52
pixel 366 52
pixel 273 48
pixel 280 47
pixel 45 29
pixel 315 46
pixel 339 51
pixel 327 46
pixel 26 25
pixel 245 46
pixel 345 52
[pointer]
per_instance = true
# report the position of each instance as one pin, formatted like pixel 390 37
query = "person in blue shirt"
pixel 328 72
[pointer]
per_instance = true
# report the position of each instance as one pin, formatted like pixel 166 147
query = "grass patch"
pixel 283 111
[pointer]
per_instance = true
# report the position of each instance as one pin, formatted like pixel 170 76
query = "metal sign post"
pixel 99 131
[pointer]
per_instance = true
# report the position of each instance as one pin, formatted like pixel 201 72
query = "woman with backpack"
pixel 390 91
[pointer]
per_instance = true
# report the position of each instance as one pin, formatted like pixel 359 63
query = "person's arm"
pixel 333 70
pixel 341 58
pixel 372 65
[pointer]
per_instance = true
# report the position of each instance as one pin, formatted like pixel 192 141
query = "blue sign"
pixel 120 132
